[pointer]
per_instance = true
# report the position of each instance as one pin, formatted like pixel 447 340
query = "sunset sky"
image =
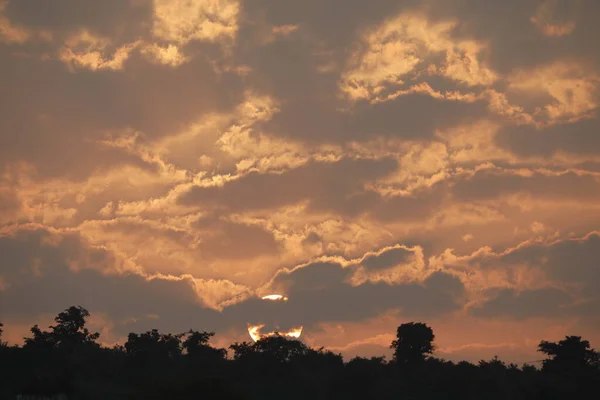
pixel 166 163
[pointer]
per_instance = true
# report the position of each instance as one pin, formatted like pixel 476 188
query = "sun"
pixel 256 333
pixel 275 297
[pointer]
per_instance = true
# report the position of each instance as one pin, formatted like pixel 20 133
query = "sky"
pixel 167 163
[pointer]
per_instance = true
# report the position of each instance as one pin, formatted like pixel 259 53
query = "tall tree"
pixel 153 345
pixel 274 348
pixel 570 354
pixel 196 346
pixel 70 327
pixel 69 330
pixel 414 342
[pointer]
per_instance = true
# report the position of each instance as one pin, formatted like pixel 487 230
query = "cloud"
pixel 541 277
pixel 560 92
pixel 394 50
pixel 113 18
pixel 545 18
pixel 181 21
pixel 321 292
pixel 549 302
pixel 62 270
pixel 387 258
pixel 559 186
pixel 577 140
pixel 222 239
pixel 88 51
pixel 10 33
pixel 329 186
pixel 168 55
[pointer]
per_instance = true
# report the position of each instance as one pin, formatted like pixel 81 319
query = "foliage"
pixel 572 353
pixel 67 359
pixel 414 342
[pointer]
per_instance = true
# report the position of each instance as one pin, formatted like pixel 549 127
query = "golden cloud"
pixel 10 33
pixel 571 86
pixel 181 21
pixel 403 48
pixel 167 55
pixel 86 50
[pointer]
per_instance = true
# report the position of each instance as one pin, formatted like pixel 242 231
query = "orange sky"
pixel 167 163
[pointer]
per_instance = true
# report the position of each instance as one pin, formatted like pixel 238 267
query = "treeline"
pixel 67 360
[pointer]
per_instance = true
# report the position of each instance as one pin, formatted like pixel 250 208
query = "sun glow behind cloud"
pixel 256 334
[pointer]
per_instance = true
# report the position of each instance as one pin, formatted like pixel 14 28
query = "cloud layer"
pixel 168 163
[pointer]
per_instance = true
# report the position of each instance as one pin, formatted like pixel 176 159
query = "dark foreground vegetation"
pixel 66 360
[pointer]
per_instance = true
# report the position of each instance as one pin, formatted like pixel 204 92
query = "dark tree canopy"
pixel 414 342
pixel 572 353
pixel 69 330
pixel 68 359
pixel 196 346
pixel 153 344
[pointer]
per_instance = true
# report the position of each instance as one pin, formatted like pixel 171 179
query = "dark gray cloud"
pixel 417 206
pixel 549 302
pixel 319 292
pixel 579 138
pixel 569 261
pixel 572 262
pixel 50 110
pixel 220 237
pixel 126 19
pixel 38 271
pixel 387 259
pixel 335 187
pixel 62 270
pixel 493 184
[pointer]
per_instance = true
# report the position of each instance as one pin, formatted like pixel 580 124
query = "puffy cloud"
pixel 168 55
pixel 85 50
pixel 9 32
pixel 394 50
pixel 387 258
pixel 571 88
pixel 182 20
pixel 545 18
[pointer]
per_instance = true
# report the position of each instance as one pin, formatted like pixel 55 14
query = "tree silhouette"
pixel 277 347
pixel 152 344
pixel 414 342
pixel 196 346
pixel 69 330
pixel 67 360
pixel 572 353
pixel 572 367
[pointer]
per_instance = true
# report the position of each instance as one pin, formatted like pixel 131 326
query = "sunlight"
pixel 275 297
pixel 256 335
